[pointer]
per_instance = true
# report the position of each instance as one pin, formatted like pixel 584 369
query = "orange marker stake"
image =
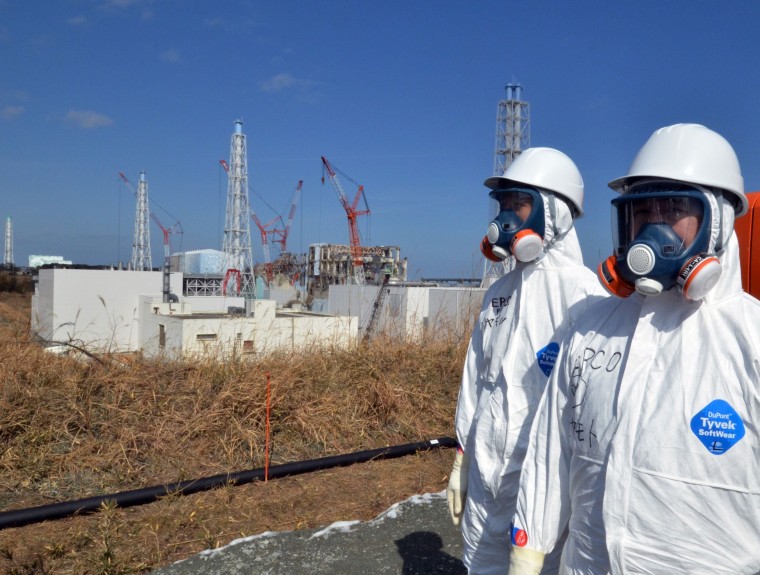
pixel 266 440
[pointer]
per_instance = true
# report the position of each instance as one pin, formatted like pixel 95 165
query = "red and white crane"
pixel 283 240
pixel 352 214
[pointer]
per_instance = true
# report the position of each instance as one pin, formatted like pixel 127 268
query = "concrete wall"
pixel 453 311
pixel 409 311
pixel 96 307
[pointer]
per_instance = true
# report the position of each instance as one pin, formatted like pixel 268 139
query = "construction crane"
pixel 175 228
pixel 283 241
pixel 265 232
pixel 352 213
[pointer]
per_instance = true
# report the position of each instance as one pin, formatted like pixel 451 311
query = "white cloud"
pixel 88 119
pixel 278 83
pixel 172 55
pixel 77 20
pixel 146 13
pixel 231 24
pixel 10 112
pixel 120 3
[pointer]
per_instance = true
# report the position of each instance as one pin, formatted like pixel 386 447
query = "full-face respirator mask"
pixel 518 229
pixel 661 235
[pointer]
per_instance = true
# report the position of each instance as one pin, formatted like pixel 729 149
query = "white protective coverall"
pixel 647 444
pixel 511 353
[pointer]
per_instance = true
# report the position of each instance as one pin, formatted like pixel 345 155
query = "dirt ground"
pixel 178 527
pixel 146 425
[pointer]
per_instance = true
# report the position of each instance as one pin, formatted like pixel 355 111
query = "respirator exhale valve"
pixel 641 259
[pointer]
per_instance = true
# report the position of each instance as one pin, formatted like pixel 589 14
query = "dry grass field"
pixel 71 429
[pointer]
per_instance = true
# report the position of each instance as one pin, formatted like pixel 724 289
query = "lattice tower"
pixel 8 242
pixel 141 258
pixel 512 137
pixel 237 229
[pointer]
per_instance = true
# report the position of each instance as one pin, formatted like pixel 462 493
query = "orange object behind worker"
pixel 748 232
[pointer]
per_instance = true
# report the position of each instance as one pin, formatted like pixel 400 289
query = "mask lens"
pixel 681 213
pixel 518 202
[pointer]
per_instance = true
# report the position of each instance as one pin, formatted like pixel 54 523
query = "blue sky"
pixel 401 96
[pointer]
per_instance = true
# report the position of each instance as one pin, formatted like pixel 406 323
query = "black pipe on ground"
pixel 21 517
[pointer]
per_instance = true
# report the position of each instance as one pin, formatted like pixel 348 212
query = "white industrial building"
pixel 124 311
pixel 37 261
pixel 260 330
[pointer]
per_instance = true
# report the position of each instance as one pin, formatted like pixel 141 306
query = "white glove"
pixel 456 492
pixel 524 561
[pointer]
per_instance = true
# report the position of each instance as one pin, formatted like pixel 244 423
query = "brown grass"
pixel 71 429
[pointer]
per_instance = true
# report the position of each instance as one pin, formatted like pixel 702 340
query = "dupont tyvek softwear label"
pixel 547 357
pixel 718 426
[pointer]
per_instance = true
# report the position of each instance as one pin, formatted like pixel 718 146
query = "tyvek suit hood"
pixel 511 353
pixel 646 444
pixel 559 225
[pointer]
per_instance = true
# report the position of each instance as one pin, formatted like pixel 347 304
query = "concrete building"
pixel 95 308
pixel 123 311
pixel 264 329
pixel 37 261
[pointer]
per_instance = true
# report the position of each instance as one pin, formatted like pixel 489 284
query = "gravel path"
pixel 414 537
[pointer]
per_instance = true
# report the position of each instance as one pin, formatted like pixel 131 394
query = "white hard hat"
pixel 688 153
pixel 544 168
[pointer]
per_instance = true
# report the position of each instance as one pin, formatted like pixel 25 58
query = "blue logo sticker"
pixel 547 357
pixel 718 426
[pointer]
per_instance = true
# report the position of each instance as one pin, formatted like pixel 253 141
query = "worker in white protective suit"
pixel 646 444
pixel 514 344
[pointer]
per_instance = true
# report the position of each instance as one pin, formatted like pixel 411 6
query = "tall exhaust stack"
pixel 8 261
pixel 512 137
pixel 237 229
pixel 141 259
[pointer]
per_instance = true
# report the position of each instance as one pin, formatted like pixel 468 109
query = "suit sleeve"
pixel 543 501
pixel 469 390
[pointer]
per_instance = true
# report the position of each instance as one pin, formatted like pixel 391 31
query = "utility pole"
pixel 237 229
pixel 141 259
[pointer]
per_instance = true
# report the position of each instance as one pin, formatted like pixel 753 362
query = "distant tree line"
pixel 12 281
